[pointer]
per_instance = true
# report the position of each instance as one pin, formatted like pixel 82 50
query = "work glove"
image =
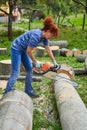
pixel 36 65
pixel 56 65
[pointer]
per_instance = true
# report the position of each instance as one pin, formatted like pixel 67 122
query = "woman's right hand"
pixel 36 65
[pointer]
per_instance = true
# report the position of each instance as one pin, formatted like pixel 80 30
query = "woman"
pixel 21 51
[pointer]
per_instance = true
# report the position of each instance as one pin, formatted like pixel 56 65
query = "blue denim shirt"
pixel 31 38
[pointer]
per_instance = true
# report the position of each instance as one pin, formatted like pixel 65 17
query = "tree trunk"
pixel 72 111
pixel 83 22
pixel 10 22
pixel 16 111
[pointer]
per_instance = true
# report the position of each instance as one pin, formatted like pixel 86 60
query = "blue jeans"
pixel 17 58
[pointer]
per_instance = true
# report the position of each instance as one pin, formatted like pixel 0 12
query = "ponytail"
pixel 49 25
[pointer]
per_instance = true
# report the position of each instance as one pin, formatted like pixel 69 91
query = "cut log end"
pixel 66 70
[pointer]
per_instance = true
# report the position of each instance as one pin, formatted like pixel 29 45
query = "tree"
pixel 84 6
pixel 11 4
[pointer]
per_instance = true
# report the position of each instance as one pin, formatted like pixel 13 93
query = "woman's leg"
pixel 15 70
pixel 26 61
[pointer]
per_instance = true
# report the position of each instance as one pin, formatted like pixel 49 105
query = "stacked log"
pixel 16 111
pixel 84 52
pixel 76 52
pixel 66 52
pixel 72 111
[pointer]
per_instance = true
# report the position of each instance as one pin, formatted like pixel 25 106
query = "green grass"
pixel 76 39
pixel 79 20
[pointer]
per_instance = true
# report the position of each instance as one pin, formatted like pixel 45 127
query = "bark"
pixel 40 51
pixel 80 71
pixel 61 43
pixel 72 111
pixel 76 52
pixel 66 52
pixel 86 62
pixel 55 50
pixel 3 51
pixel 21 78
pixel 85 52
pixel 16 111
pixel 81 57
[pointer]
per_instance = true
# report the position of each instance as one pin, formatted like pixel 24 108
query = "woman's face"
pixel 48 35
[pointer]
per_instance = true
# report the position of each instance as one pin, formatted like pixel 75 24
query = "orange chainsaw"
pixel 44 68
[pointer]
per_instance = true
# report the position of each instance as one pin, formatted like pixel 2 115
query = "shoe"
pixel 33 95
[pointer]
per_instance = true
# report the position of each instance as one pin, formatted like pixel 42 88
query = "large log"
pixel 61 43
pixel 21 78
pixel 80 71
pixel 72 111
pixel 16 111
pixel 81 57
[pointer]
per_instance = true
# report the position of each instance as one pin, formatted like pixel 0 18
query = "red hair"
pixel 49 25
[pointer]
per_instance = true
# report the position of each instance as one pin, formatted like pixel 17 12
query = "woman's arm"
pixel 49 52
pixel 29 52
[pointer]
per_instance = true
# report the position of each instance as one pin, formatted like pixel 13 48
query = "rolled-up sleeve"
pixel 45 42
